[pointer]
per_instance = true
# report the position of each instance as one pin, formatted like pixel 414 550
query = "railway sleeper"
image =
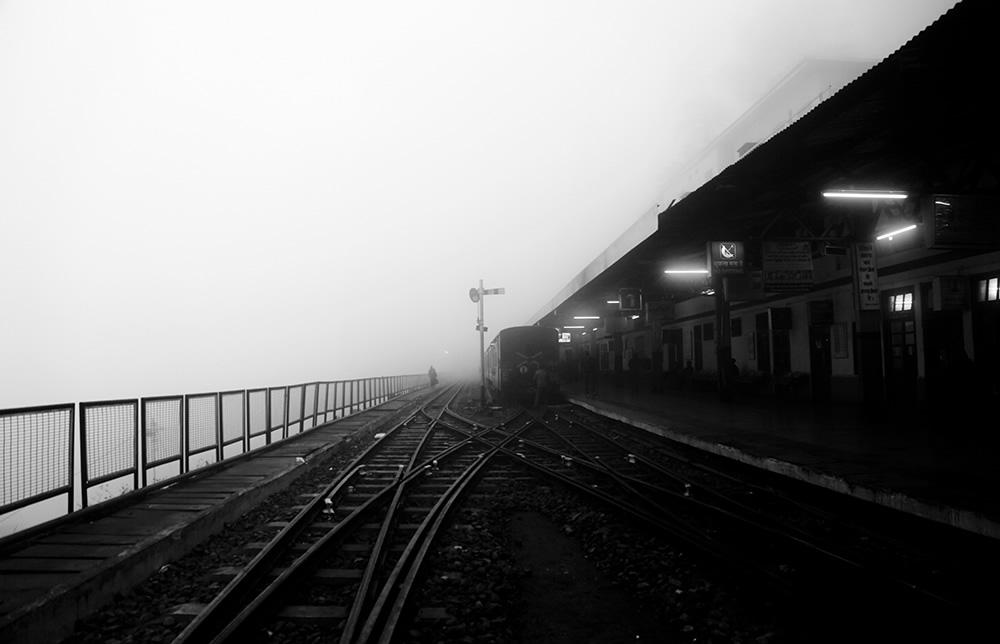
pixel 324 576
pixel 302 547
pixel 302 614
pixel 317 614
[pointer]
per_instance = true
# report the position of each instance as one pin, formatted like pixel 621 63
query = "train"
pixel 515 355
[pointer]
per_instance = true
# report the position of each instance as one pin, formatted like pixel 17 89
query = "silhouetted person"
pixel 588 368
pixel 541 379
pixel 432 376
pixel 633 371
pixel 686 375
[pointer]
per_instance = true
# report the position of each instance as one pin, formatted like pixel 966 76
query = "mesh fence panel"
pixel 233 403
pixel 109 432
pixel 162 428
pixel 310 408
pixel 257 404
pixel 323 402
pixel 294 404
pixel 36 452
pixel 277 408
pixel 278 400
pixel 202 422
pixel 294 409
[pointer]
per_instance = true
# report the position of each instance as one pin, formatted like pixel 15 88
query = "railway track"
pixel 342 559
pixel 349 566
pixel 793 542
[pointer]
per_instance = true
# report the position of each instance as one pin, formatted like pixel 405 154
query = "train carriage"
pixel 516 354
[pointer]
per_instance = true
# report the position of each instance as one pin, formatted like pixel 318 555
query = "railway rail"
pixel 350 564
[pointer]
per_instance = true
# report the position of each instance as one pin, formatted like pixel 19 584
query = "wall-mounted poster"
pixel 788 266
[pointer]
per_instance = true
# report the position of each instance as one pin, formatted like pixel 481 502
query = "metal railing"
pixel 44 454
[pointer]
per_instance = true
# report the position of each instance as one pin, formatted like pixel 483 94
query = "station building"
pixel 847 234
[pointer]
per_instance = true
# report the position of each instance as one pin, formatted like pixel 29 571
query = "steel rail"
pixel 830 553
pixel 216 622
pixel 239 627
pixel 680 528
pixel 366 590
pixel 384 615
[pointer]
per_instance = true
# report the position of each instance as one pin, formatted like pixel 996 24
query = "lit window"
pixel 901 302
pixel 989 289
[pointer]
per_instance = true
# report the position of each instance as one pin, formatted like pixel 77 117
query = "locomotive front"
pixel 517 353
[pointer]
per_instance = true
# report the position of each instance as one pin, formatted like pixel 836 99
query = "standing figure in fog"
pixel 541 379
pixel 587 367
pixel 432 376
pixel 633 371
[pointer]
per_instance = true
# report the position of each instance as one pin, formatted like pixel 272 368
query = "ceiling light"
pixel 890 234
pixel 864 194
pixel 686 271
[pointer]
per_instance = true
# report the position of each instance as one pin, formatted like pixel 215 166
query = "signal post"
pixel 476 295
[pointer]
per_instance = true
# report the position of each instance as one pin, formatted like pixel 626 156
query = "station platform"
pixel 939 468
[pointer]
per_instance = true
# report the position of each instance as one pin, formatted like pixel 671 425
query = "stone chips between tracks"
pixel 643 588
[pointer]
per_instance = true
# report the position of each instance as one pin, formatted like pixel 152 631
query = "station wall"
pixel 932 332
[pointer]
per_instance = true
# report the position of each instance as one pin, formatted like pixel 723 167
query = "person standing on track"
pixel 432 376
pixel 541 379
pixel 587 367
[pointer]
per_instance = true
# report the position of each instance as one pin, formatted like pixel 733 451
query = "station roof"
pixel 920 121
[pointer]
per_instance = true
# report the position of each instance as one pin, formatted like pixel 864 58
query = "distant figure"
pixel 541 379
pixel 686 375
pixel 432 376
pixel 588 369
pixel 734 371
pixel 633 371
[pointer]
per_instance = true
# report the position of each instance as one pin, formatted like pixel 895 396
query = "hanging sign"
pixel 726 257
pixel 866 276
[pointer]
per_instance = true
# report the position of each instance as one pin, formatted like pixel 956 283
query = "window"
pixel 989 289
pixel 736 327
pixel 901 302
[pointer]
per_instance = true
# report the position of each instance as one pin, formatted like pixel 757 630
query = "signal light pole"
pixel 476 295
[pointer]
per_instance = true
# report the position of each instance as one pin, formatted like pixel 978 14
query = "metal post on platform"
pixel 481 325
pixel 477 295
pixel 723 342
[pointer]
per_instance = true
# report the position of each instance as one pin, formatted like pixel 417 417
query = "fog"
pixel 203 196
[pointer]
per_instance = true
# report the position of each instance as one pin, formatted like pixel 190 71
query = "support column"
pixel 723 339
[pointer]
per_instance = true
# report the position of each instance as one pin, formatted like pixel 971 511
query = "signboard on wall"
pixel 961 221
pixel 866 276
pixel 630 299
pixel 788 266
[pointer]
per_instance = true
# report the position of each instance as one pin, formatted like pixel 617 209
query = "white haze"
pixel 201 196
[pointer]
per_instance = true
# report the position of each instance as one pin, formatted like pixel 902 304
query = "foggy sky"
pixel 202 196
